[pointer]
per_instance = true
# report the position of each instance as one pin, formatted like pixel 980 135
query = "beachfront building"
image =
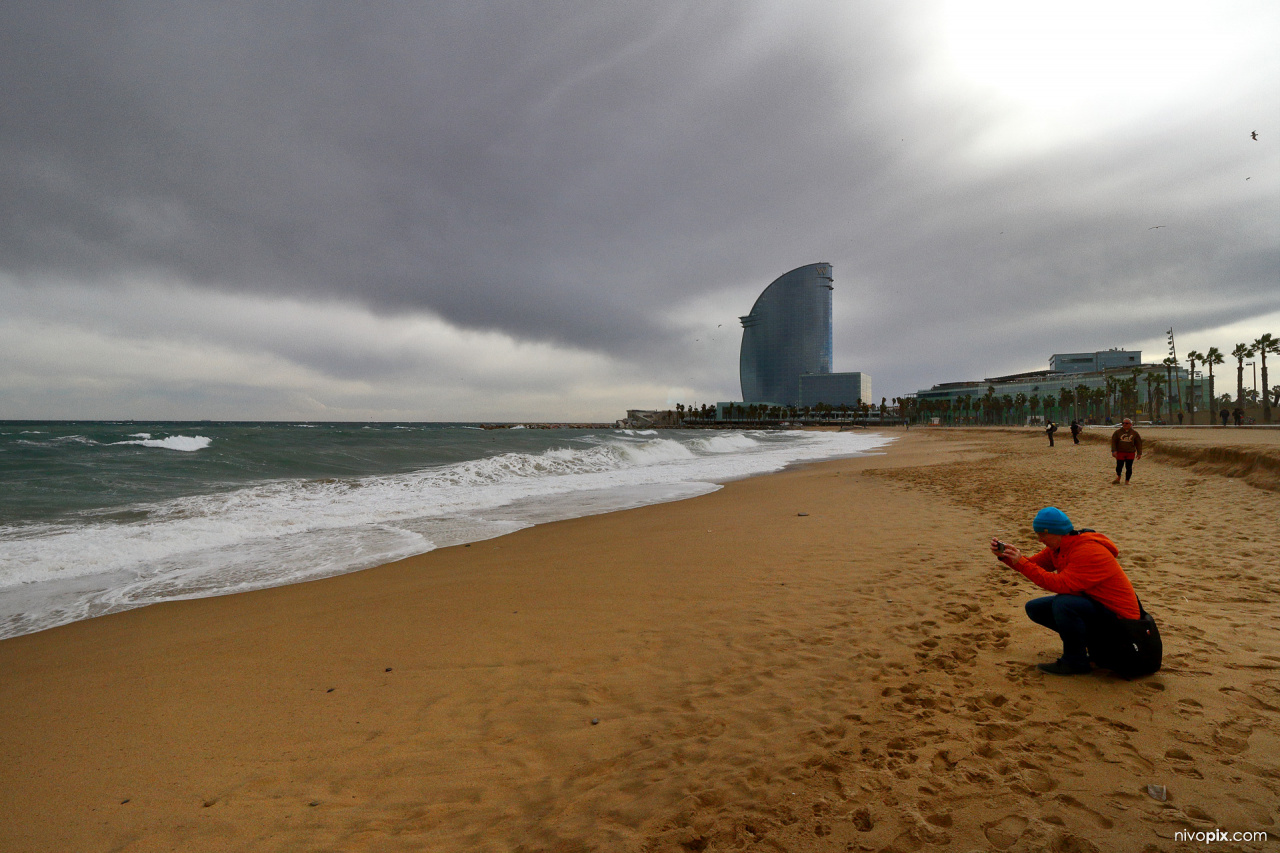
pixel 835 389
pixel 1115 383
pixel 1094 362
pixel 786 335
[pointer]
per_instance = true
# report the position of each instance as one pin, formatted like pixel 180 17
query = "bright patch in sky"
pixel 1067 69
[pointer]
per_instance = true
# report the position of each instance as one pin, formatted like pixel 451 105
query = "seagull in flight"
pixel 1255 136
pixel 1154 227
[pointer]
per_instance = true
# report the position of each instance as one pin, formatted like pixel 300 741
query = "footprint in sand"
pixel 1232 738
pixel 1004 833
pixel 1182 762
pixel 1036 779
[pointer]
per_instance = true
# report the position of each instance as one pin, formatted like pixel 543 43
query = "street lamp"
pixel 1254 365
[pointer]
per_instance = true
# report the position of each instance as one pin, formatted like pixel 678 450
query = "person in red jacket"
pixel 1126 445
pixel 1081 567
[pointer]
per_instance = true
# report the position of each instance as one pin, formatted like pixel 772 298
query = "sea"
pixel 99 517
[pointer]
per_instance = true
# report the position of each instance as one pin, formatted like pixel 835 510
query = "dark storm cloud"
pixel 575 172
pixel 555 170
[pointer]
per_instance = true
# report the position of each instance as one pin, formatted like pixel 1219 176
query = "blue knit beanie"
pixel 1051 520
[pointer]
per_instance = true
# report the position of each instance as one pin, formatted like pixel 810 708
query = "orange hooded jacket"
pixel 1084 563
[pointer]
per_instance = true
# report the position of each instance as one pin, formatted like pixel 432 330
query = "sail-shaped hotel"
pixel 786 345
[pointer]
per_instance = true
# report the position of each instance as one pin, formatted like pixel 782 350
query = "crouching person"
pixel 1095 611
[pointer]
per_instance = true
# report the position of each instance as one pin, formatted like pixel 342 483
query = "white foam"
pixel 281 532
pixel 185 443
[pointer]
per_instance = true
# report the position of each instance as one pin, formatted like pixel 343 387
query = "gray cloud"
pixel 574 173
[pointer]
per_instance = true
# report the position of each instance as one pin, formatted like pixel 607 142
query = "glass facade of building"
pixel 835 389
pixel 787 333
pixel 1118 365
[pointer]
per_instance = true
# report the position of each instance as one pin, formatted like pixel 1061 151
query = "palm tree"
pixel 1108 391
pixel 1128 394
pixel 1240 353
pixel 1192 358
pixel 1135 376
pixel 1083 398
pixel 1169 364
pixel 1159 399
pixel 1066 397
pixel 1263 345
pixel 1019 400
pixel 1211 357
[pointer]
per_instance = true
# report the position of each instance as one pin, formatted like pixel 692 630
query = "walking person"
pixel 1126 446
pixel 1224 414
pixel 1049 430
pixel 1075 432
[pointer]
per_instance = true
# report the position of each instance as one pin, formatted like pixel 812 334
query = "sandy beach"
pixel 822 659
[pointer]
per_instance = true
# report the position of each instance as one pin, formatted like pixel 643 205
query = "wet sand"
pixel 821 659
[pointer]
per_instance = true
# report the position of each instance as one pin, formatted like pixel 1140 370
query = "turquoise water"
pixel 100 517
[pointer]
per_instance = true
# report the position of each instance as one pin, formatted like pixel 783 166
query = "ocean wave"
pixel 55 441
pixel 185 443
pixel 258 535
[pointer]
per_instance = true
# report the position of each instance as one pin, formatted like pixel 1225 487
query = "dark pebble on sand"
pixel 122 802
pixel 595 721
pixel 802 513
pixel 331 689
pixel 388 669
pixel 314 803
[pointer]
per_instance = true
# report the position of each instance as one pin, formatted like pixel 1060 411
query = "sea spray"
pixel 221 530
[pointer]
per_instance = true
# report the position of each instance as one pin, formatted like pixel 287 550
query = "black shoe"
pixel 1059 667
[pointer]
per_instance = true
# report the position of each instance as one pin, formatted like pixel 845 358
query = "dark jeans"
pixel 1125 465
pixel 1081 622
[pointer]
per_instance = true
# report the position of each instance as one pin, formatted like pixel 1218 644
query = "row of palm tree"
pixel 1082 401
pixel 1118 393
pixel 1261 347
pixel 765 412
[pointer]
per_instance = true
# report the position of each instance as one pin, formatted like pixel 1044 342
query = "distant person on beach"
pixel 1179 418
pixel 1049 430
pixel 1093 595
pixel 1075 432
pixel 1224 414
pixel 1126 446
pixel 1238 414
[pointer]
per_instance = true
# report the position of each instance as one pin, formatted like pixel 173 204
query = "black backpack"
pixel 1135 648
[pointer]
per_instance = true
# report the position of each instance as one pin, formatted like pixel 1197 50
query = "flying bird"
pixel 1255 136
pixel 1154 227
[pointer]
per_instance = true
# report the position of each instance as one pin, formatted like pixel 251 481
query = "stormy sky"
pixel 550 210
